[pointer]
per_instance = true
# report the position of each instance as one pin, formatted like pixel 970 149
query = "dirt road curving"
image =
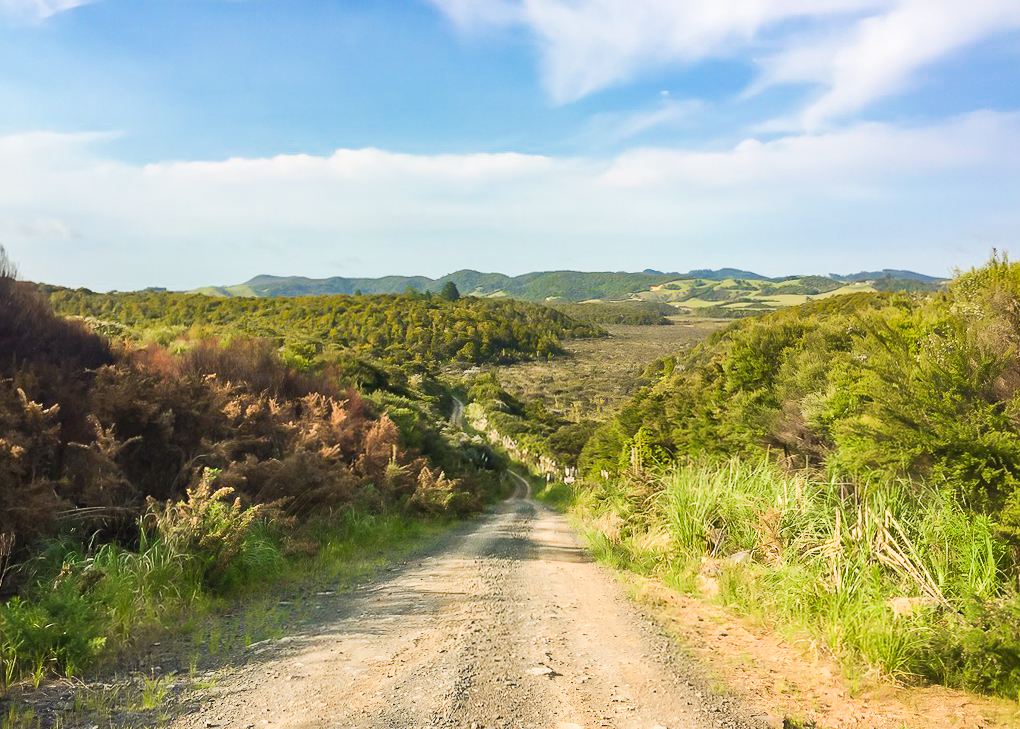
pixel 457 416
pixel 507 626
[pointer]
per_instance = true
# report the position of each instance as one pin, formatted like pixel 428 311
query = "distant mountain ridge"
pixel 886 273
pixel 724 273
pixel 538 286
pixel 569 286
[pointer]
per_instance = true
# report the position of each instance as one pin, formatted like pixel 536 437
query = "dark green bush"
pixel 980 653
pixel 918 387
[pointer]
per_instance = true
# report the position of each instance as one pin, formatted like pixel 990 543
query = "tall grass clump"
pixel 82 602
pixel 886 574
pixel 224 542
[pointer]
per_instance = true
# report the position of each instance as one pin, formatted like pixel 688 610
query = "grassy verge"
pixel 84 608
pixel 890 576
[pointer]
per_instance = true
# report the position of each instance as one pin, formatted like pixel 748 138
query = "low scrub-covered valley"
pixel 842 472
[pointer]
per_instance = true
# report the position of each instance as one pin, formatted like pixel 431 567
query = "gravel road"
pixel 507 625
pixel 457 416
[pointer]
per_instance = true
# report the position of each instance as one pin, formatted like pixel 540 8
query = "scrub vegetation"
pixel 160 451
pixel 632 313
pixel 418 330
pixel 846 469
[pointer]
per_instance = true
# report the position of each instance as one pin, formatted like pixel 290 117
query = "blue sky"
pixel 182 143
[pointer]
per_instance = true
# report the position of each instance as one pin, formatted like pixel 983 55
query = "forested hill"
pixel 886 274
pixel 392 328
pixel 568 286
pixel 832 458
pixel 918 387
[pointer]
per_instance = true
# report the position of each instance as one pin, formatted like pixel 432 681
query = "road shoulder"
pixel 778 679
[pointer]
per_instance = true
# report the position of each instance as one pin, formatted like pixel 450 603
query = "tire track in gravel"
pixel 509 625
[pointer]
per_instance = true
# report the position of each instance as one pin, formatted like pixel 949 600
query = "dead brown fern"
pixel 433 493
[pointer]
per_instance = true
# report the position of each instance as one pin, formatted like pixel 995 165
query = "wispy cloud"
pixel 473 14
pixel 880 55
pixel 615 127
pixel 855 51
pixel 37 10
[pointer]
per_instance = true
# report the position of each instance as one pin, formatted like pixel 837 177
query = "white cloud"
pixel 866 157
pixel 71 214
pixel 359 165
pixel 38 10
pixel 590 44
pixel 55 147
pixel 475 14
pixel 880 55
pixel 857 51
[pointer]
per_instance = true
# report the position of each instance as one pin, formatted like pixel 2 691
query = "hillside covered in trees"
pixel 398 329
pixel 848 469
pixel 538 286
pixel 919 387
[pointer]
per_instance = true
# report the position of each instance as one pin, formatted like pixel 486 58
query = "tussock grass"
pixel 885 575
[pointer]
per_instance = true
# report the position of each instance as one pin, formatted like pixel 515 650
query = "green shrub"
pixel 58 634
pixel 980 653
pixel 220 538
pixel 920 388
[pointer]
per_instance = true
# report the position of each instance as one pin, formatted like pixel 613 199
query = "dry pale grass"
pixel 610 524
pixel 656 540
pixel 599 375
